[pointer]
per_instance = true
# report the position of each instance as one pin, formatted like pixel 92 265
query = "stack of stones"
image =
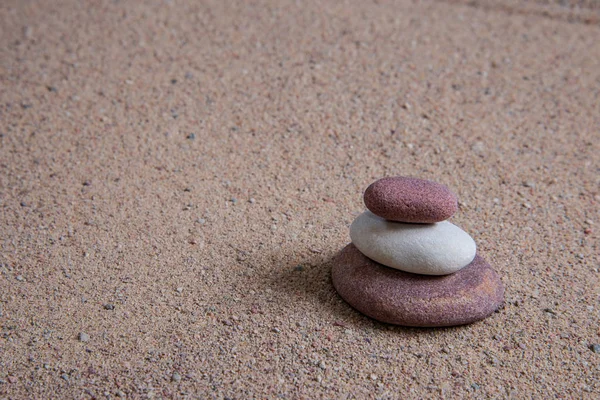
pixel 407 265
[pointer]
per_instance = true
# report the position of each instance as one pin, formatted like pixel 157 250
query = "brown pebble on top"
pixel 410 200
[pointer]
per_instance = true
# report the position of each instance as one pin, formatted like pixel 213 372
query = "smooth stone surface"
pixel 431 249
pixel 401 298
pixel 410 200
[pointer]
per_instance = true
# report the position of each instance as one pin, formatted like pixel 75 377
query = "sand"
pixel 175 178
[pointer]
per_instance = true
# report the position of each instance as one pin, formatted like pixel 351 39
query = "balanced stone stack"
pixel 407 265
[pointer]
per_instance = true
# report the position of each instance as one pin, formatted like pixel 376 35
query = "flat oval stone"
pixel 431 249
pixel 397 297
pixel 412 200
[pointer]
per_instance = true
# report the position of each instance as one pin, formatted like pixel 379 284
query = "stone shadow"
pixel 302 284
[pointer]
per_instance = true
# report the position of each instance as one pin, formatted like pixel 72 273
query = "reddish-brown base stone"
pixel 397 297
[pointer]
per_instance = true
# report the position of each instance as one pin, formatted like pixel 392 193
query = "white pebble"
pixel 84 337
pixel 430 249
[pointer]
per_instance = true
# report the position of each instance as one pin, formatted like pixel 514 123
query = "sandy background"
pixel 175 179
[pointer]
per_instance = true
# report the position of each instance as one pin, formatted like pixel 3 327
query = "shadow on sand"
pixel 305 289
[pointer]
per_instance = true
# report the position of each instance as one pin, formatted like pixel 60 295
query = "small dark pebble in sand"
pixel 173 81
pixel 109 306
pixel 51 89
pixel 191 136
pixel 595 348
